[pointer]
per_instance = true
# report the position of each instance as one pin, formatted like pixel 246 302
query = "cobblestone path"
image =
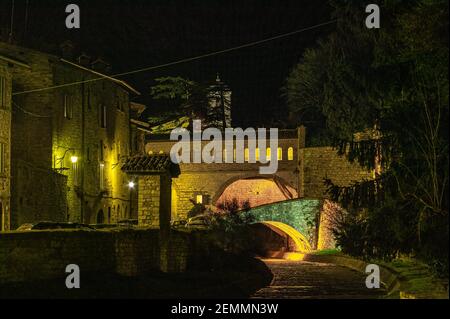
pixel 311 280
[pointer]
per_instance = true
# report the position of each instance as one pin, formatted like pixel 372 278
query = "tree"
pixel 179 97
pixel 381 96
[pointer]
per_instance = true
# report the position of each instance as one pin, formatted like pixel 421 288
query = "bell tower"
pixel 219 105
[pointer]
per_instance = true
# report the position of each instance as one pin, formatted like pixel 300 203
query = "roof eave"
pixel 106 77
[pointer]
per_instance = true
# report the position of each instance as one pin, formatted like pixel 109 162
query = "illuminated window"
pixel 199 199
pixel 280 154
pixel 290 154
pixel 234 155
pixel 268 153
pixel 68 107
pixel 2 92
pixel 224 155
pixel 150 152
pixel 102 176
pixel 257 154
pixel 161 152
pixel 247 155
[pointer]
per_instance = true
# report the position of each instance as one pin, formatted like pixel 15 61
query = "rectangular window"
pixel 68 107
pixel 102 115
pixel 102 176
pixel 119 102
pixel 76 174
pixel 2 92
pixel 2 157
pixel 199 199
pixel 100 151
pixel 88 97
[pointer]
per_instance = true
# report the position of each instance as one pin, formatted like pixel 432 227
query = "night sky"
pixel 135 34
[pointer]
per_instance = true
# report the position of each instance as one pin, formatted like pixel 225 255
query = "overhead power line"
pixel 183 60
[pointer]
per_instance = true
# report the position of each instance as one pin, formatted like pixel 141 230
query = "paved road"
pixel 311 280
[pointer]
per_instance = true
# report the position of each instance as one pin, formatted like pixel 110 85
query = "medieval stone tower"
pixel 219 105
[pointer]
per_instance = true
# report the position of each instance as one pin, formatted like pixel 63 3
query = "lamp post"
pixel 131 185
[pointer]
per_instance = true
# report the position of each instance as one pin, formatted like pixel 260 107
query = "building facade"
pixel 70 131
pixel 5 143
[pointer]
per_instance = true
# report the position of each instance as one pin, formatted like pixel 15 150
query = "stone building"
pixel 5 139
pixel 300 175
pixel 70 132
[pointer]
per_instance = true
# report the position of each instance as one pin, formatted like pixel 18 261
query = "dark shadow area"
pixel 237 277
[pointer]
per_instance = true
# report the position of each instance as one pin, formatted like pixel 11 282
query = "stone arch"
pixel 288 190
pixel 300 241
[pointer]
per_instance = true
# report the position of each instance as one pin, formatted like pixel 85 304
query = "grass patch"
pixel 325 252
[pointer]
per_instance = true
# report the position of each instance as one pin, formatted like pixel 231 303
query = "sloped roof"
pixel 104 76
pixel 151 165
pixel 14 61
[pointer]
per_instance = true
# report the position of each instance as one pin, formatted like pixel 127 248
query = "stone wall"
pixel 301 214
pixel 42 198
pixel 41 255
pixel 5 140
pixel 319 163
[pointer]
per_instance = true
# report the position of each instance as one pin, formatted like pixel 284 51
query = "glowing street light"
pixel 74 159
pixel 131 184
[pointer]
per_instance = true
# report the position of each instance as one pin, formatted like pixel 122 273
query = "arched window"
pixel 280 154
pixel 246 155
pixel 268 153
pixel 290 153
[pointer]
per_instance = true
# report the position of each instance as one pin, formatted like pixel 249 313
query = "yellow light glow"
pixel 294 256
pixel 74 159
pixel 301 242
pixel 131 184
pixel 280 154
pixel 199 199
pixel 290 153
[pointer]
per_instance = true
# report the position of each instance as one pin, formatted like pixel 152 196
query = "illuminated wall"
pixel 300 214
pixel 257 191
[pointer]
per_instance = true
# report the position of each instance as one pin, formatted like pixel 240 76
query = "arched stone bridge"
pixel 293 196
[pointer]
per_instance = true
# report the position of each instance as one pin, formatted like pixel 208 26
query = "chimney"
pixel 67 50
pixel 84 60
pixel 101 66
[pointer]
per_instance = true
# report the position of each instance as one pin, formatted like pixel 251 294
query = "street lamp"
pixel 74 159
pixel 131 184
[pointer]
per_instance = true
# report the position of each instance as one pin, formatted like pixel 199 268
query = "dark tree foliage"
pixel 381 98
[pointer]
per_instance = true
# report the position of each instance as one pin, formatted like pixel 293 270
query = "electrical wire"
pixel 183 60
pixel 30 113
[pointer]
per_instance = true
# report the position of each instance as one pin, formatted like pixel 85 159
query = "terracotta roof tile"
pixel 150 164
